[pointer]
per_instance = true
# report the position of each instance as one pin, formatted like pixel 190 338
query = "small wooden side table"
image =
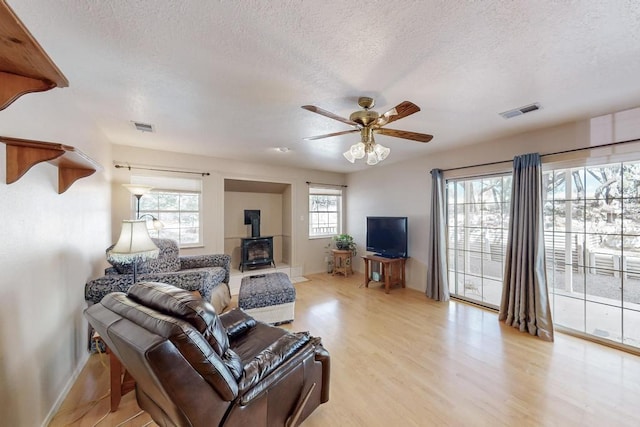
pixel 121 382
pixel 392 270
pixel 342 262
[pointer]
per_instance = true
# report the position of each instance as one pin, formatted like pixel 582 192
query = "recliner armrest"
pixel 237 322
pixel 270 359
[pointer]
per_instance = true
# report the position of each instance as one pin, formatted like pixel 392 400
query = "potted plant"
pixel 345 242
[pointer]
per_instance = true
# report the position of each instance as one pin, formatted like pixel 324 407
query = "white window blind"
pixel 325 211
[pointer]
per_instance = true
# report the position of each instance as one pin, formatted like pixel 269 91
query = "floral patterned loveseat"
pixel 208 274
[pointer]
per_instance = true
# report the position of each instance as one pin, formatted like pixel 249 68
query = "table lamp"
pixel 133 246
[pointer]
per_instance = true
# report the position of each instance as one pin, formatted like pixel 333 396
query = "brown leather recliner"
pixel 195 368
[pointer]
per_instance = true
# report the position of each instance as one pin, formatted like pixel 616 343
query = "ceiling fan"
pixel 368 122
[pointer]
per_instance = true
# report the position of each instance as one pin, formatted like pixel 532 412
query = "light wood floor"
pixel 403 360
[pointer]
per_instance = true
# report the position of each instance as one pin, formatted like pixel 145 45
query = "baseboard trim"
pixel 67 388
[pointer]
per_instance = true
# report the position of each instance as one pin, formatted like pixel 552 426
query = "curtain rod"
pixel 119 166
pixel 328 185
pixel 610 144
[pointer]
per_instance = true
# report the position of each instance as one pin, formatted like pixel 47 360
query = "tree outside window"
pixel 178 211
pixel 477 222
pixel 592 240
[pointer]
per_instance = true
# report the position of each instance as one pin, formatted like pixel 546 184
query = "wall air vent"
pixel 520 111
pixel 143 127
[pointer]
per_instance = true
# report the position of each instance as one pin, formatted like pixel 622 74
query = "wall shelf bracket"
pixel 14 86
pixel 24 66
pixel 22 154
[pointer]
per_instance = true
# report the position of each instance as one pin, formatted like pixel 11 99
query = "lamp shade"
pixel 134 244
pixel 157 224
pixel 368 148
pixel 372 158
pixel 381 151
pixel 358 150
pixel 349 156
pixel 137 190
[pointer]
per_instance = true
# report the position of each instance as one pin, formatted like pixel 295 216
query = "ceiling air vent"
pixel 143 127
pixel 520 111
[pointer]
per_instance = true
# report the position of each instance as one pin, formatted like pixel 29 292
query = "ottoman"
pixel 269 298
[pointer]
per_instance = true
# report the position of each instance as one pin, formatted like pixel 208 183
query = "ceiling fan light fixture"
pixel 368 122
pixel 375 153
pixel 381 151
pixel 372 158
pixel 349 156
pixel 358 150
pixel 366 136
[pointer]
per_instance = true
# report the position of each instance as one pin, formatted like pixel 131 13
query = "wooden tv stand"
pixel 392 270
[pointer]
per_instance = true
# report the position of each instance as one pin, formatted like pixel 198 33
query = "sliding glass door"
pixel 477 224
pixel 592 239
pixel 592 243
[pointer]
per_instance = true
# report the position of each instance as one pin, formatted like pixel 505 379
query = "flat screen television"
pixel 387 236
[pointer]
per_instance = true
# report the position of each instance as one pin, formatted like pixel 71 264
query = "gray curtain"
pixel 525 300
pixel 437 284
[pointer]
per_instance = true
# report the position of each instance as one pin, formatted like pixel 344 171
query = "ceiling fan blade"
pixel 420 137
pixel 344 132
pixel 404 109
pixel 329 114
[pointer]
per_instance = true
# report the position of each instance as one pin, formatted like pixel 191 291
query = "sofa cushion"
pixel 185 305
pixel 168 259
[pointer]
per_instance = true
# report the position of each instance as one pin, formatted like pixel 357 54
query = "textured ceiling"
pixel 227 78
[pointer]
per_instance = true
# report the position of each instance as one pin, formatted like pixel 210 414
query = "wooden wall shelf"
pixel 24 65
pixel 22 154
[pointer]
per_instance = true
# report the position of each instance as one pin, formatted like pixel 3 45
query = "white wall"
pixel 404 189
pixel 306 254
pixel 51 245
pixel 287 222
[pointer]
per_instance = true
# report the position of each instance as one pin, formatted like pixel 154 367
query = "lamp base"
pixel 135 271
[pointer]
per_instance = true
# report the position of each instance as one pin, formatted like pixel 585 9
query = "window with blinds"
pixel 325 211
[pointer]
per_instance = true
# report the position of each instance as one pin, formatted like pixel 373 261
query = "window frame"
pixel 339 212
pixel 171 186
